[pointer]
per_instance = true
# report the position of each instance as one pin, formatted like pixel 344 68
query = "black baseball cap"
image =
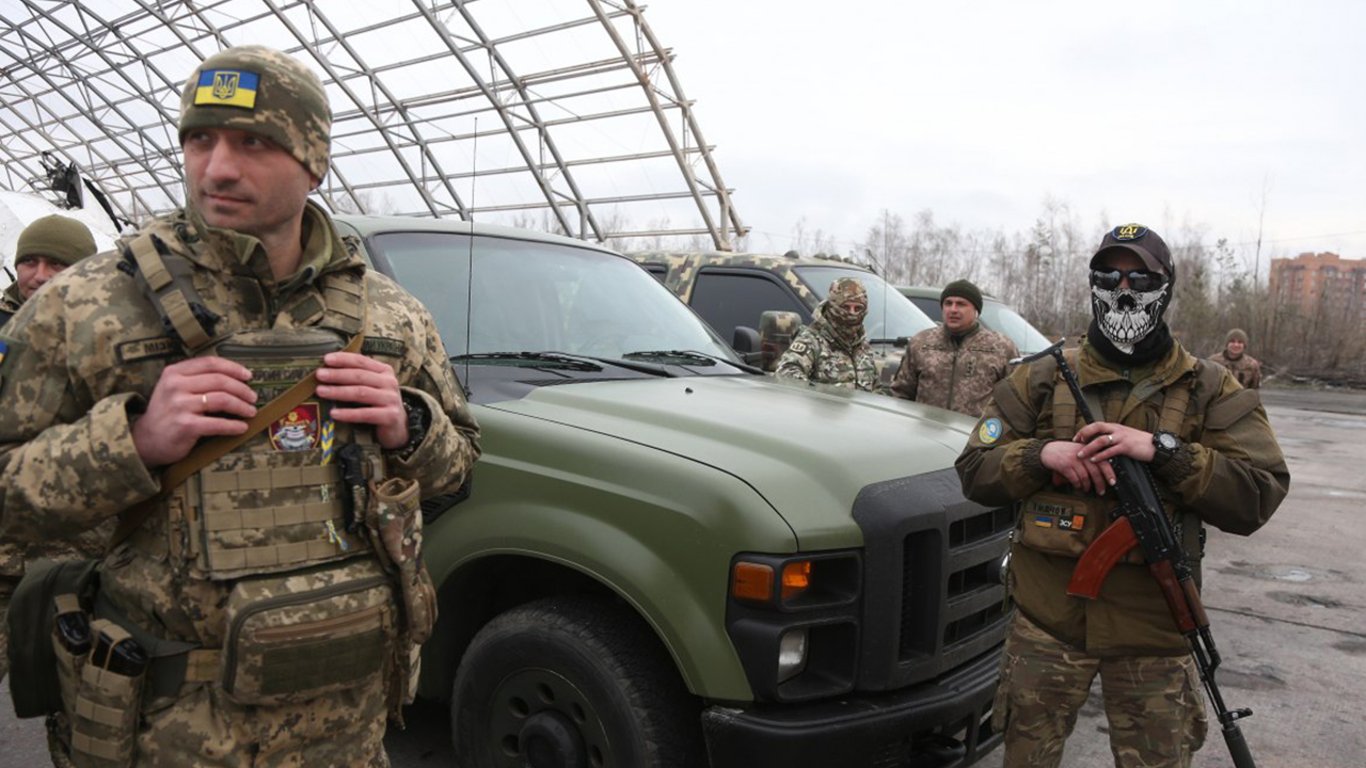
pixel 1140 241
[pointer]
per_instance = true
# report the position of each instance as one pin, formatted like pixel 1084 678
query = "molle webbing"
pixel 170 285
pixel 344 302
pixel 272 518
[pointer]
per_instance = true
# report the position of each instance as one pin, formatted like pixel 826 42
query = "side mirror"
pixel 776 331
pixel 746 342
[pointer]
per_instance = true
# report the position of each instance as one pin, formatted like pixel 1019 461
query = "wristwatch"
pixel 1165 446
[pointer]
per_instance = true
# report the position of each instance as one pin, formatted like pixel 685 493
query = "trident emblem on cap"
pixel 224 85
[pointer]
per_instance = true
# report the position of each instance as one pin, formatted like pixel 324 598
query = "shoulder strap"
pixel 165 278
pixel 211 450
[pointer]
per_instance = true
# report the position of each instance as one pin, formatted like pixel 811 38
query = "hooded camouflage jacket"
pixel 819 355
pixel 10 301
pixel 84 355
pixel 1229 473
pixel 953 373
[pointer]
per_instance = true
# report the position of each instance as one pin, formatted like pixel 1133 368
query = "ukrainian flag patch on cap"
pixel 227 88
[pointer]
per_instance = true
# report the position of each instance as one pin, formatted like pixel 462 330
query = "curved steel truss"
pixel 563 115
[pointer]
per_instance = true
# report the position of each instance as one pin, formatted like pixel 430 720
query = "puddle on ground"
pixel 1262 677
pixel 1298 598
pixel 1296 574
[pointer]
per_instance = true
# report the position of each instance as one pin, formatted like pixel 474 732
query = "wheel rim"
pixel 538 719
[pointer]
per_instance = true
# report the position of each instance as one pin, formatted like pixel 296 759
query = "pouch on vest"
pixel 105 716
pixel 394 519
pixel 293 637
pixel 35 685
pixel 1058 523
pixel 274 503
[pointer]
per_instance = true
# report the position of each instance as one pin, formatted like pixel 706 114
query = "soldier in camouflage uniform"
pixel 104 398
pixel 1215 460
pixel 834 348
pixel 955 364
pixel 1234 357
pixel 45 247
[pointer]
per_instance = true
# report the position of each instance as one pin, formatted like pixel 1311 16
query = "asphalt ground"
pixel 1287 608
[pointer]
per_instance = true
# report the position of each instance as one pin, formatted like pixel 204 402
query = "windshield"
pixel 890 315
pixel 541 297
pixel 1002 319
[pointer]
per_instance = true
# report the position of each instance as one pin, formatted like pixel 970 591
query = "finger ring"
pixel 204 399
pixel 1110 438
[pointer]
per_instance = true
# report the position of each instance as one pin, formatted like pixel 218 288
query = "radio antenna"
pixel 469 285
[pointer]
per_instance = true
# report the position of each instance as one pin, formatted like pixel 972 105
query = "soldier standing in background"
pixel 1234 357
pixel 834 348
pixel 1032 449
pixel 955 364
pixel 130 360
pixel 45 247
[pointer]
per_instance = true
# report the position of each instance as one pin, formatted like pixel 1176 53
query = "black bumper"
pixel 942 724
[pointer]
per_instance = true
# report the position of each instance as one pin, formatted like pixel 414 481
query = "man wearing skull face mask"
pixel 1215 461
pixel 834 348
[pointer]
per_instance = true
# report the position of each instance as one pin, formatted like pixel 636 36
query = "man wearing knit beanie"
pixel 954 365
pixel 281 635
pixel 1246 368
pixel 46 246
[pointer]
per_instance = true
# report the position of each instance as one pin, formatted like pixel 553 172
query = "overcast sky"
pixel 1165 113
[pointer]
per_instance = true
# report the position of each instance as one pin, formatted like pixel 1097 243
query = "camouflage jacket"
pixel 956 374
pixel 11 300
pixel 817 355
pixel 85 353
pixel 1246 368
pixel 1229 473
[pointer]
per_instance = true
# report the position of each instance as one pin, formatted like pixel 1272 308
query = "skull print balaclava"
pixel 1128 324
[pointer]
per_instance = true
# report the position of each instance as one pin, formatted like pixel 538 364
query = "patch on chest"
pixel 298 430
pixel 379 345
pixel 146 349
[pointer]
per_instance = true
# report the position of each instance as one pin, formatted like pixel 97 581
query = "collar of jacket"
pixel 11 300
pixel 227 250
pixel 1094 369
pixel 959 338
pixel 827 329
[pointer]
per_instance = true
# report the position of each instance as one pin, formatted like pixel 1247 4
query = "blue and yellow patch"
pixel 227 88
pixel 990 430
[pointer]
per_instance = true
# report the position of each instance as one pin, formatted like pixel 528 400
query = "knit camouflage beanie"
pixel 56 237
pixel 257 89
pixel 1237 334
pixel 963 289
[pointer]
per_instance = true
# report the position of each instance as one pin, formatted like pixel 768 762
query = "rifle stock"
pixel 1141 521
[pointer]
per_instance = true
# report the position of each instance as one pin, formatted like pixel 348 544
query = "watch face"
pixel 1167 441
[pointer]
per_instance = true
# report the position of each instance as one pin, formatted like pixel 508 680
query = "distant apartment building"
pixel 1313 281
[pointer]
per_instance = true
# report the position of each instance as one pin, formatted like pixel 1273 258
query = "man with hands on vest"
pixel 1214 460
pixel 275 625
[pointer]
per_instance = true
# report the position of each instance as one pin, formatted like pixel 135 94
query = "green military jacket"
pixel 1246 368
pixel 953 373
pixel 1229 473
pixel 11 300
pixel 84 354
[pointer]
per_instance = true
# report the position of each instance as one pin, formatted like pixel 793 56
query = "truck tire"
pixel 571 682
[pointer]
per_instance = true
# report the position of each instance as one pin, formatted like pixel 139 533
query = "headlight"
pixel 791 654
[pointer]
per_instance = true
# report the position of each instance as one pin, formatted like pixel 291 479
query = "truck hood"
pixel 806 450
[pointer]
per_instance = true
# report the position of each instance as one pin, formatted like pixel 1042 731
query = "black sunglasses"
pixel 1140 280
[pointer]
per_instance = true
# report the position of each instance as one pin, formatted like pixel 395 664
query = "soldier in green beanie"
pixel 1246 368
pixel 46 246
pixel 267 607
pixel 955 364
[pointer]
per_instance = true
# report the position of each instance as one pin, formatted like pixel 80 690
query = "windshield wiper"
pixel 558 360
pixel 688 357
pixel 696 358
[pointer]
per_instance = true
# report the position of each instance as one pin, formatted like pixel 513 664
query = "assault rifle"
pixel 1140 521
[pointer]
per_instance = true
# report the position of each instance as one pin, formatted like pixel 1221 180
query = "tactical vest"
pixel 279 501
pixel 1064 522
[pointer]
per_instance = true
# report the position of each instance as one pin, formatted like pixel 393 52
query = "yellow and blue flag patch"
pixel 227 88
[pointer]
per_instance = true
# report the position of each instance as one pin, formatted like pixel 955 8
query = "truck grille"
pixel 933 597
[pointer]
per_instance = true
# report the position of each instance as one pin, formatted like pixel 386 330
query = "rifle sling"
pixel 209 451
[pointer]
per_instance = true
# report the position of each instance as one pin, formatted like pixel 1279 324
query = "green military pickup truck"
pixel 666 558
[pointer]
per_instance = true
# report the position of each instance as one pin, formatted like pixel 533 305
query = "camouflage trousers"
pixel 7 585
pixel 205 728
pixel 1154 704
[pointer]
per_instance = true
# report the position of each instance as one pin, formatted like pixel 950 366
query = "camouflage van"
pixel 731 291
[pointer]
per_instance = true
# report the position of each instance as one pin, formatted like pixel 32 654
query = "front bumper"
pixel 939 724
